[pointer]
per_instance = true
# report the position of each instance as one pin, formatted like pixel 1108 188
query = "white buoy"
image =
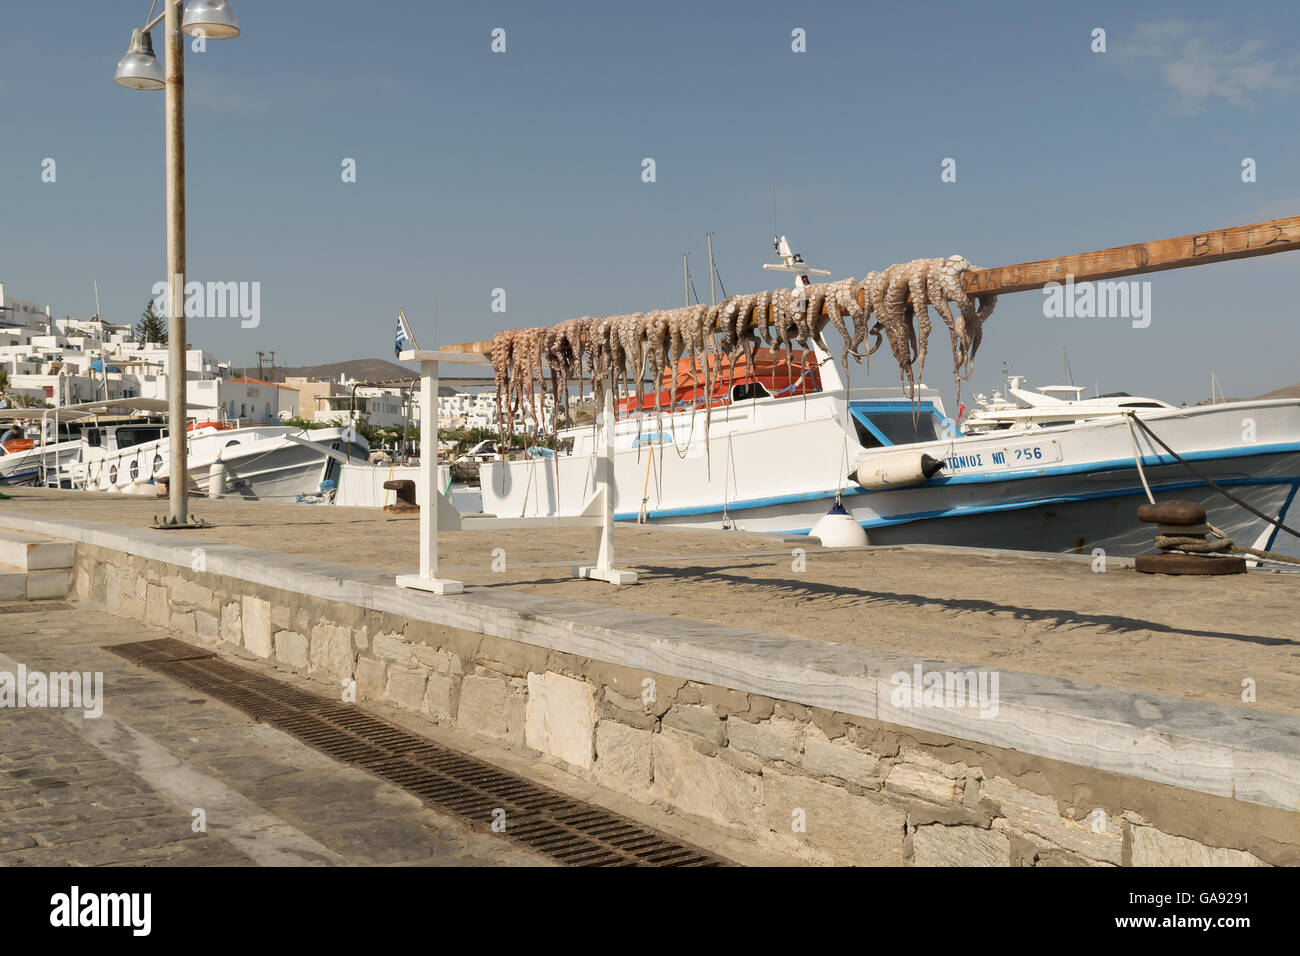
pixel 839 529
pixel 217 479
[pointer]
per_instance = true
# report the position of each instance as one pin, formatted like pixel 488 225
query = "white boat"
pixel 1047 407
pixel 257 462
pixel 131 454
pixel 24 461
pixel 1055 475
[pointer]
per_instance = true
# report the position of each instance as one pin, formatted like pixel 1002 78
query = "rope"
pixel 1200 544
pixel 645 490
pixel 1277 523
pixel 1137 457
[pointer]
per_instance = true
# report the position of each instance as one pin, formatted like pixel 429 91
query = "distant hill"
pixel 366 370
pixel 1291 391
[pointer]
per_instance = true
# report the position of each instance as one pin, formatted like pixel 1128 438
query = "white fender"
pixel 895 470
pixel 839 529
pixel 217 485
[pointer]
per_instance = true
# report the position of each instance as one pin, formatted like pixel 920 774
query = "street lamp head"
pixel 140 69
pixel 210 18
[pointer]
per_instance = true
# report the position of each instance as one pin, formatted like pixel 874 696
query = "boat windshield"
pixel 892 423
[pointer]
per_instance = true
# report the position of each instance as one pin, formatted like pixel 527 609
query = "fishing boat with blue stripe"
pixel 1047 474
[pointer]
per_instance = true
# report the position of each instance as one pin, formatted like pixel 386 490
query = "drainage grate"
pixel 31 607
pixel 536 817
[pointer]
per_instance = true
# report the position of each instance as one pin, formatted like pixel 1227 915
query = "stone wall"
pixel 824 786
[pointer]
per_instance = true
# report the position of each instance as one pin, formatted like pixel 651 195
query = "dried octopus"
pixel 614 351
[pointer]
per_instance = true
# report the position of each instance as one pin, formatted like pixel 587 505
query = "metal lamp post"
pixel 139 70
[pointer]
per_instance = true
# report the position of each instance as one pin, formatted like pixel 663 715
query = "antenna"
pixel 98 314
pixel 793 262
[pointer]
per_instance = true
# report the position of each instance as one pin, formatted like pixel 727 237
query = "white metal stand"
pixel 436 511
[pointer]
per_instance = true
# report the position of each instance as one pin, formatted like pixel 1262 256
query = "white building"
pixel 66 361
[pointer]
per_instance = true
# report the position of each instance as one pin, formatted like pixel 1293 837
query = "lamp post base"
pixel 165 523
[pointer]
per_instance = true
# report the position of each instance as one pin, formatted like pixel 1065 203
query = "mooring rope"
pixel 1202 545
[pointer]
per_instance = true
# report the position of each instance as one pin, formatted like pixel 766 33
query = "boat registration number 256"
pixel 1009 457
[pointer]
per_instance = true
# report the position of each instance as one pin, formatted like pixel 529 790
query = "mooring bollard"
pixel 405 503
pixel 1185 542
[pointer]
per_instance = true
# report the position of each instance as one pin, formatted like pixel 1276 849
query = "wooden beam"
pixel 1198 249
pixel 1202 248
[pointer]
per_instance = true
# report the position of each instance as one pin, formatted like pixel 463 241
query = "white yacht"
pixel 1046 407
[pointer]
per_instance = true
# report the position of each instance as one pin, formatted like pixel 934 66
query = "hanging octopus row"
pixel 617 351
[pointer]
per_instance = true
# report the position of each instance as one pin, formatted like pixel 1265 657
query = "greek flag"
pixel 405 337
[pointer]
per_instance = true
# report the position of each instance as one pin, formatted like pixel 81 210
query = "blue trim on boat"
pixel 1147 461
pixel 1281 516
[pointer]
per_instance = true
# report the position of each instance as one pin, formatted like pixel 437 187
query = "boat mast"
pixel 686 279
pixel 713 292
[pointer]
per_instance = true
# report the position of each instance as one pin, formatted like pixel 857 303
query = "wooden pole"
pixel 1197 249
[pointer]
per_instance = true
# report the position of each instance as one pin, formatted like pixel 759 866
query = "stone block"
pixel 922 783
pixel 207 628
pixel 693 719
pixel 331 650
pixel 291 648
pixel 938 845
pixel 853 830
pixel 707 786
pixel 842 760
pixel 406 686
pixel 390 646
pixel 231 632
pixel 255 614
pixel 191 594
pixel 482 708
pixel 1152 847
pixel 774 739
pixel 440 698
pixel 157 611
pixel 1033 813
pixel 112 587
pixel 372 676
pixel 560 718
pixel 624 756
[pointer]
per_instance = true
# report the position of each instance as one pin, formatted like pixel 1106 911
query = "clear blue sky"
pixel 522 170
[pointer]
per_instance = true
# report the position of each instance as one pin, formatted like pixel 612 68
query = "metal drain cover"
pixel 535 817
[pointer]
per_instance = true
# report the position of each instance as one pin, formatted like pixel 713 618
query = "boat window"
pixel 92 437
pixel 900 427
pixel 747 390
pixel 127 436
pixel 879 426
pixel 1140 405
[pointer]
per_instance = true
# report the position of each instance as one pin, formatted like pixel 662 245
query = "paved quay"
pixel 122 788
pixel 1191 638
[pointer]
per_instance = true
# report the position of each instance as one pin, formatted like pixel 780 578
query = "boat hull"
pixel 778 468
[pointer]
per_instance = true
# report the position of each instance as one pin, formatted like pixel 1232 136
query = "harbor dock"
pixel 747 681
